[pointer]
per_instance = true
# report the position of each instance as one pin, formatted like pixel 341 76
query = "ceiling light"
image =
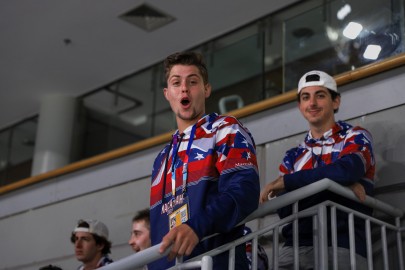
pixel 147 17
pixel 372 52
pixel 352 30
pixel 331 33
pixel 343 12
pixel 137 121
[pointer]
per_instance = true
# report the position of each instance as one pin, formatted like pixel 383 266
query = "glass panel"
pixel 22 150
pixel 236 75
pixel 341 36
pixel 4 152
pixel 139 117
pixel 273 60
pixel 258 61
pixel 164 119
pixel 118 115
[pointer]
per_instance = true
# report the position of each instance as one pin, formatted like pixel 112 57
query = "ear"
pixel 165 93
pixel 100 247
pixel 336 103
pixel 208 89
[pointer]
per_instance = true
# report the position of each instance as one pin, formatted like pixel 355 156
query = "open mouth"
pixel 185 101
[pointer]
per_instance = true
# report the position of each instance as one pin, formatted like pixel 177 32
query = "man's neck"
pixel 92 264
pixel 183 125
pixel 318 132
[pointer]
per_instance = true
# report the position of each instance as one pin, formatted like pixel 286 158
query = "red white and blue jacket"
pixel 222 185
pixel 105 260
pixel 344 154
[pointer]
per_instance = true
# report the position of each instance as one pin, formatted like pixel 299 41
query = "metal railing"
pixel 319 214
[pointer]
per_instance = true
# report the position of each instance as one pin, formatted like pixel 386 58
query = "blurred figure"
pixel 262 259
pixel 140 234
pixel 50 267
pixel 90 238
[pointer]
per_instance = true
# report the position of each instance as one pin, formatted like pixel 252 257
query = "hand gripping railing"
pixel 151 254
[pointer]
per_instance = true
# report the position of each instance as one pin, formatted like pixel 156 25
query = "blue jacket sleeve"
pixel 239 198
pixel 345 171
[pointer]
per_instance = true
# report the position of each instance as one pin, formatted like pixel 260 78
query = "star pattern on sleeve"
pixel 365 140
pixel 246 155
pixel 199 156
pixel 246 143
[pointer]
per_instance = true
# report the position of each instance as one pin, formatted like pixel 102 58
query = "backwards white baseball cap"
pixel 96 227
pixel 317 78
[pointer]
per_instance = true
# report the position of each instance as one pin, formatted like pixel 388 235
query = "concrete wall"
pixel 35 222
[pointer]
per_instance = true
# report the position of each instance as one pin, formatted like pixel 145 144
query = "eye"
pixel 175 83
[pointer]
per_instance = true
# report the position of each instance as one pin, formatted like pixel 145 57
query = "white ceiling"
pixel 36 61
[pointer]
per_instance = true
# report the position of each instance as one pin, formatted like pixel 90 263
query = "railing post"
pixel 399 243
pixel 333 228
pixel 369 246
pixel 323 237
pixel 384 247
pixel 315 240
pixel 231 265
pixel 206 263
pixel 296 237
pixel 352 244
pixel 275 246
pixel 254 252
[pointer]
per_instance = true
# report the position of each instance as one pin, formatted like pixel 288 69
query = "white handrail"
pixel 151 254
pixel 321 185
pixel 138 259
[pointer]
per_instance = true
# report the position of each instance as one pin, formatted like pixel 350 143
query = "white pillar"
pixel 54 133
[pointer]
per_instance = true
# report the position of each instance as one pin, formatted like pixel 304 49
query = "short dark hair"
pixel 188 59
pixel 50 267
pixel 143 215
pixel 99 240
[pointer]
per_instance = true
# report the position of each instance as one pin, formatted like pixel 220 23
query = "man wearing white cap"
pixel 90 238
pixel 331 149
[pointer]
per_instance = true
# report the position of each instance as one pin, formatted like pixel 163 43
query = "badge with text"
pixel 178 216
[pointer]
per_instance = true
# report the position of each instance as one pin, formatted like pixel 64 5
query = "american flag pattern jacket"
pixel 222 185
pixel 344 154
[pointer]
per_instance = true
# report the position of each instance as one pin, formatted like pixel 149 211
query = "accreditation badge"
pixel 179 215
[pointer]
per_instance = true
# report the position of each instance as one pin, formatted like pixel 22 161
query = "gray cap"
pixel 96 227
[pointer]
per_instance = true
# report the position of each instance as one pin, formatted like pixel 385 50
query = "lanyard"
pixel 185 162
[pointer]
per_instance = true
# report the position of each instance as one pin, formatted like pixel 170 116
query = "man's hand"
pixel 183 238
pixel 359 191
pixel 272 189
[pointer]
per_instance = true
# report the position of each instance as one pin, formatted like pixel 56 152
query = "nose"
pixel 312 100
pixel 78 243
pixel 184 86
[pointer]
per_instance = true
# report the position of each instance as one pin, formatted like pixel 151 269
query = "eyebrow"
pixel 316 92
pixel 188 76
pixel 83 237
